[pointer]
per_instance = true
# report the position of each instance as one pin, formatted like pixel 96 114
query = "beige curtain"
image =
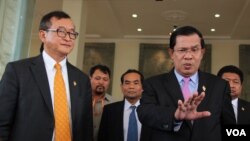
pixel 2 8
pixel 15 28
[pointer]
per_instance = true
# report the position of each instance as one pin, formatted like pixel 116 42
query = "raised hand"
pixel 187 110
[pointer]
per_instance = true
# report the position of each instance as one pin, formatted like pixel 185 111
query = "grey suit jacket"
pixel 26 112
pixel 159 102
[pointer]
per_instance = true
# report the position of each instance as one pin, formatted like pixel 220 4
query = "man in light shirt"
pixel 115 119
pixel 186 104
pixel 27 90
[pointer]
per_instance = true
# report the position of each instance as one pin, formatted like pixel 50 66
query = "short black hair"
pixel 45 22
pixel 132 71
pixel 103 68
pixel 231 69
pixel 185 30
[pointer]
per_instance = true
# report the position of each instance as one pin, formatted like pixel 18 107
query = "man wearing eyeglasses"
pixel 45 98
pixel 186 104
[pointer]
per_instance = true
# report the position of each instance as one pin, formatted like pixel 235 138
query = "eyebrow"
pixel 132 81
pixel 73 28
pixel 194 46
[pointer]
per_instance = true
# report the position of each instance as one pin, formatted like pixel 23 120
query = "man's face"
pixel 235 83
pixel 132 86
pixel 55 46
pixel 99 82
pixel 187 54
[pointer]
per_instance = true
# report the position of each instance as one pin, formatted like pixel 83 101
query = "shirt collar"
pixel 50 62
pixel 194 78
pixel 235 102
pixel 128 104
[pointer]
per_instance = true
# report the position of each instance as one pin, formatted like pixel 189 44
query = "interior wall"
pixel 224 52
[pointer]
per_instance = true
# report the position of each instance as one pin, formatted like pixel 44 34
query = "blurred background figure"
pixel 100 76
pixel 241 107
pixel 117 117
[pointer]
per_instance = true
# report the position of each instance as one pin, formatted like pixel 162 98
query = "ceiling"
pixel 112 18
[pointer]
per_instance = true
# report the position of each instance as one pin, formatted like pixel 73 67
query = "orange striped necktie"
pixel 61 110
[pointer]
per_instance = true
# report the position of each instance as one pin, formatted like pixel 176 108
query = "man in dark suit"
pixel 115 117
pixel 207 98
pixel 235 78
pixel 27 100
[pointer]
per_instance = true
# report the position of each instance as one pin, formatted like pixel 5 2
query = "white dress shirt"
pixel 51 71
pixel 235 107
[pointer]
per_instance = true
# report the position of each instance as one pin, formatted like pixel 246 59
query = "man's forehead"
pixel 64 22
pixel 187 46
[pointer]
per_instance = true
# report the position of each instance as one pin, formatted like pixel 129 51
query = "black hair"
pixel 231 69
pixel 132 71
pixel 102 68
pixel 45 22
pixel 185 30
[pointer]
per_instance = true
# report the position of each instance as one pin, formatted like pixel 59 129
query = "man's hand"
pixel 187 110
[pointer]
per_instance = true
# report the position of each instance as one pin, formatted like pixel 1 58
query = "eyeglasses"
pixel 183 51
pixel 62 32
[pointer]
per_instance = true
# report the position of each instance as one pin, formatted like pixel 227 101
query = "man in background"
pixel 235 78
pixel 100 76
pixel 116 116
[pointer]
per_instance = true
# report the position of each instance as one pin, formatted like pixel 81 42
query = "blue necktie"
pixel 132 126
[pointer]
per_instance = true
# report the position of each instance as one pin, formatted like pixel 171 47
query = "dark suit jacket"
pixel 26 112
pixel 111 126
pixel 243 112
pixel 159 102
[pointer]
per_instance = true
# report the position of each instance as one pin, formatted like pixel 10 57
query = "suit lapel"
pixel 39 72
pixel 240 111
pixel 242 114
pixel 74 90
pixel 172 86
pixel 204 86
pixel 120 113
pixel 202 83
